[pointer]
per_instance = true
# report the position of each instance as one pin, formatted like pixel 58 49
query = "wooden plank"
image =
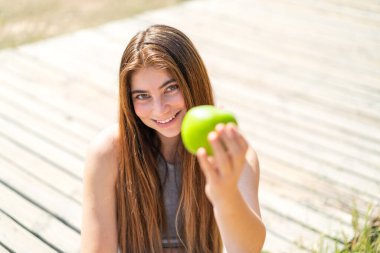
pixel 69 64
pixel 267 130
pixel 42 128
pixel 308 189
pixel 42 148
pixel 262 62
pixel 335 141
pixel 3 249
pixel 11 234
pixel 39 222
pixel 310 219
pixel 54 72
pixel 247 41
pixel 276 244
pixel 284 149
pixel 307 199
pixel 362 164
pixel 368 5
pixel 110 53
pixel 61 120
pixel 345 179
pixel 341 11
pixel 41 169
pixel 282 228
pixel 339 26
pixel 129 26
pixel 74 112
pixel 257 134
pixel 340 155
pixel 60 206
pixel 52 85
pixel 268 106
pixel 268 20
pixel 341 100
pixel 277 104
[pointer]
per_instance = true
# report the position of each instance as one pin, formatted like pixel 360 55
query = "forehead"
pixel 149 78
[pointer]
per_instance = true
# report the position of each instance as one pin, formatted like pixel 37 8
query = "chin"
pixel 169 134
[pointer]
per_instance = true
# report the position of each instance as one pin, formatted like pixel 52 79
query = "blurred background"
pixel 302 77
pixel 25 21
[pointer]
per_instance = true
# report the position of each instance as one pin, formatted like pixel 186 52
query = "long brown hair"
pixel 140 210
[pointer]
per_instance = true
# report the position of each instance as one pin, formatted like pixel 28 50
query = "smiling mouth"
pixel 167 120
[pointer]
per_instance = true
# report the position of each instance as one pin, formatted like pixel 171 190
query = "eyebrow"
pixel 162 86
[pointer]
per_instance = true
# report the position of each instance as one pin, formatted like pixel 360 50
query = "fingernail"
pixel 219 127
pixel 201 151
pixel 212 136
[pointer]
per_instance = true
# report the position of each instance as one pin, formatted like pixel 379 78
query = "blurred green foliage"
pixel 366 235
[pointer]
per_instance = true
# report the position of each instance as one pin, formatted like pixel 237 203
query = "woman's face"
pixel 158 101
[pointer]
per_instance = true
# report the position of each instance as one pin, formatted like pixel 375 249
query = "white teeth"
pixel 166 121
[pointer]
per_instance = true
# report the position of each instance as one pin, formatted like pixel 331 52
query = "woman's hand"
pixel 223 169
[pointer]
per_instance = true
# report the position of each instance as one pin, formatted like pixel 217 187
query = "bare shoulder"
pixel 105 142
pixel 102 153
pixel 99 223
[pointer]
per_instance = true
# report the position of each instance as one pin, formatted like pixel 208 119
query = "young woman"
pixel 143 192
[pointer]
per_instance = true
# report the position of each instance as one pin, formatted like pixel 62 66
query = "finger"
pixel 235 148
pixel 220 129
pixel 221 157
pixel 212 162
pixel 229 140
pixel 242 141
pixel 206 166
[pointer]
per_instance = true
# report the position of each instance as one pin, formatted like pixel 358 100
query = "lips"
pixel 167 120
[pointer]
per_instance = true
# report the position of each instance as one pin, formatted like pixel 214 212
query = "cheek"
pixel 179 100
pixel 142 111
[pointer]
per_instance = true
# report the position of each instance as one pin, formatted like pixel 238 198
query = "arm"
pixel 235 198
pixel 239 218
pixel 99 229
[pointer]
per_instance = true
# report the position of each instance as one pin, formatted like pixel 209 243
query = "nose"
pixel 160 107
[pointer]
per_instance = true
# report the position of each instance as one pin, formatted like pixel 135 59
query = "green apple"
pixel 198 122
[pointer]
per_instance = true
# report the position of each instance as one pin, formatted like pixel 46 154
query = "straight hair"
pixel 140 206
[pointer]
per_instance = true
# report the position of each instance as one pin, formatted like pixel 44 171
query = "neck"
pixel 169 146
